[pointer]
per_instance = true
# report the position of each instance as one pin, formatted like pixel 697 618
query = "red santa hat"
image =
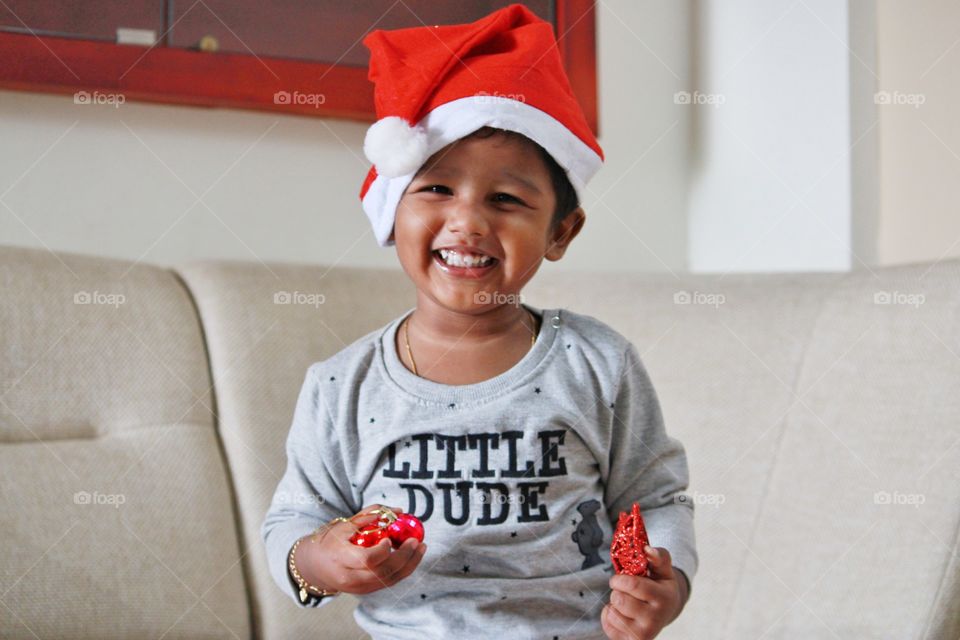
pixel 437 84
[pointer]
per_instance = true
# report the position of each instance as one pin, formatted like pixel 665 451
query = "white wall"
pixel 771 181
pixel 837 144
pixel 684 186
pixel 125 181
pixel 919 62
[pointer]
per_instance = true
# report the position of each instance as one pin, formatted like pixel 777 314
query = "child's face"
pixel 493 195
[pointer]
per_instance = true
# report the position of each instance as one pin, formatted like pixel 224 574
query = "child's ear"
pixel 564 233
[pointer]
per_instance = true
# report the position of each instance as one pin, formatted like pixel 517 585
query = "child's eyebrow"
pixel 527 183
pixel 437 169
pixel 451 172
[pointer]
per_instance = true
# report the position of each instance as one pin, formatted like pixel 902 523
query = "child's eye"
pixel 506 198
pixel 436 188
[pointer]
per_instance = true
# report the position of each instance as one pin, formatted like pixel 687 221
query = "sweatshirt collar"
pixel 453 396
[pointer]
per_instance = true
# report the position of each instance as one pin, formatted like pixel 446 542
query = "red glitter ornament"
pixel 368 535
pixel 629 539
pixel 396 528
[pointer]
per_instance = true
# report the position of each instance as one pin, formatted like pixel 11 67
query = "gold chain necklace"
pixel 406 339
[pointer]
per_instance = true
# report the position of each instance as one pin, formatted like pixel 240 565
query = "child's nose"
pixel 468 219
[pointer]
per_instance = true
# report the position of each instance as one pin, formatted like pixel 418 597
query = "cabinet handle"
pixel 209 43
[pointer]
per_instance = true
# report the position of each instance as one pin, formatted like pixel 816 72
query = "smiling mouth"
pixel 464 259
pixel 464 264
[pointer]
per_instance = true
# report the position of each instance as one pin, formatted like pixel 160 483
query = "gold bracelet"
pixel 303 584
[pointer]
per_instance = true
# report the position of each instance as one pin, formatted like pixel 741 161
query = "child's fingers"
pixel 366 511
pixel 627 605
pixel 640 587
pixel 608 628
pixel 367 516
pixel 391 570
pixel 624 582
pixel 410 565
pixel 661 564
pixel 341 533
pixel 614 624
pixel 369 558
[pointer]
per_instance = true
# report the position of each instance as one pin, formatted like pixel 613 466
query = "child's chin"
pixel 466 300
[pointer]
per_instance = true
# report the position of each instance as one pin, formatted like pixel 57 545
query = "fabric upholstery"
pixel 811 414
pixel 821 423
pixel 115 505
pixel 260 348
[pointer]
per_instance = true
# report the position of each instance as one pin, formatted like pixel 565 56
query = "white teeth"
pixel 456 259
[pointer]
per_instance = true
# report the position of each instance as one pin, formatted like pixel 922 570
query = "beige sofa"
pixel 143 413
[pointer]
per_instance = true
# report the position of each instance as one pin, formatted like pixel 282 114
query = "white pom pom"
pixel 394 147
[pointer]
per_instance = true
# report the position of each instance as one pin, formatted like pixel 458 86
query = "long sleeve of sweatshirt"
pixel 650 468
pixel 314 488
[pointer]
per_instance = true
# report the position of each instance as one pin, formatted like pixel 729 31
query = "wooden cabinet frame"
pixel 182 76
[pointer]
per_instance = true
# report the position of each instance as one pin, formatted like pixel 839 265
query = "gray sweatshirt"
pixel 518 480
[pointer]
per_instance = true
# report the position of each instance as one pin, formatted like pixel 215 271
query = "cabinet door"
pixel 244 53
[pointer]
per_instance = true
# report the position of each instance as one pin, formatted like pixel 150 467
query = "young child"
pixel 516 435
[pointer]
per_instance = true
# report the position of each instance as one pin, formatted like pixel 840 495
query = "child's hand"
pixel 347 567
pixel 641 606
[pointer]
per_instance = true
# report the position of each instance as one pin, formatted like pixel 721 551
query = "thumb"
pixel 659 562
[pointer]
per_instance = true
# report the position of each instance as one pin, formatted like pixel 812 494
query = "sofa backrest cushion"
pixel 819 414
pixel 265 325
pixel 115 503
pixel 821 417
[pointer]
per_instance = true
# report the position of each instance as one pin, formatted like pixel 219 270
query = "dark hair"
pixel 566 195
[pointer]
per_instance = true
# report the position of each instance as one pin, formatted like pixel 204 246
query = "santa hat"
pixel 437 84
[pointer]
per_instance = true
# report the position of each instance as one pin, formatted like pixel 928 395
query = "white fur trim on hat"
pixel 456 119
pixel 394 147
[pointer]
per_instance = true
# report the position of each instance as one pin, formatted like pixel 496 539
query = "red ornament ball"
pixel 368 535
pixel 390 525
pixel 405 526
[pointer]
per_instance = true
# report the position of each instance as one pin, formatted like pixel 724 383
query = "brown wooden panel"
pixel 323 30
pixel 577 40
pixel 90 19
pixel 240 80
pixel 178 76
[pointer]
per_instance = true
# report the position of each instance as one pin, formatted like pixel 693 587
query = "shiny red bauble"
pixel 395 527
pixel 405 526
pixel 368 536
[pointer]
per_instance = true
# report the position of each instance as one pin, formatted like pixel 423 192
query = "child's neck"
pixel 451 327
pixel 460 348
